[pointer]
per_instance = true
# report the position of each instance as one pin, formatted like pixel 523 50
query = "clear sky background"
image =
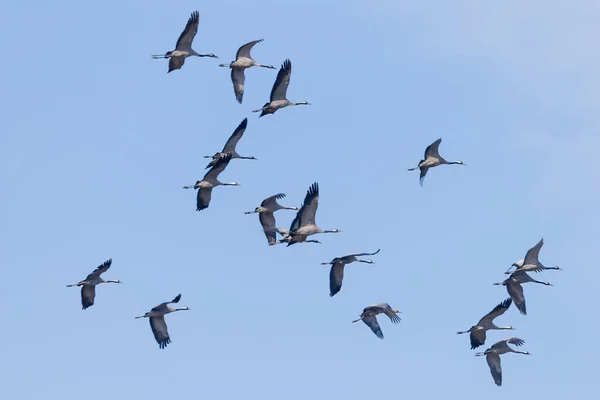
pixel 97 141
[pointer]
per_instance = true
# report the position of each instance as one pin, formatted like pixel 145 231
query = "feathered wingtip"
pixel 176 299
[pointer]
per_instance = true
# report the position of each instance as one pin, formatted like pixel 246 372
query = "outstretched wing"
pixel 267 220
pixel 493 361
pixel 311 203
pixel 175 63
pixel 219 166
pixel 271 201
pixel 244 51
pixel 306 214
pixel 372 323
pixel 238 78
pixel 497 311
pixel 362 254
pixel 102 268
pixel 516 341
pixel 203 198
pixel 282 81
pixel 159 329
pixel 423 170
pixel 532 255
pixel 392 315
pixel 187 36
pixel 432 149
pixel 477 337
pixel 336 275
pixel 515 290
pixel 88 293
pixel 235 137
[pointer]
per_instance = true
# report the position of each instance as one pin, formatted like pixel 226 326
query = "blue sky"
pixel 97 141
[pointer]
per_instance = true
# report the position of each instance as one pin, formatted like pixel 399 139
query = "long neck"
pixel 499 328
pixel 330 231
pixel 112 281
pixel 540 282
pixel 228 183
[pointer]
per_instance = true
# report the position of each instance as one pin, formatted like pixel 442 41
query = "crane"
pixel 531 261
pixel 88 285
pixel 157 320
pixel 304 224
pixel 266 217
pixel 183 48
pixel 369 316
pixel 206 185
pixel 278 98
pixel 492 356
pixel 336 274
pixel 432 159
pixel 486 323
pixel 243 60
pixel 229 147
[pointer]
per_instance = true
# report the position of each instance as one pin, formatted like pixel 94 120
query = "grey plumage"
pixel 183 48
pixel 266 217
pixel 157 320
pixel 229 147
pixel 206 185
pixel 243 60
pixel 278 97
pixel 336 273
pixel 432 159
pixel 88 285
pixel 304 224
pixel 369 317
pixel 478 332
pixel 531 261
pixel 515 290
pixel 493 356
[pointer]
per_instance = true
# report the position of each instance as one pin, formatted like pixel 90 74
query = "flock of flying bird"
pixel 477 333
pixel 304 224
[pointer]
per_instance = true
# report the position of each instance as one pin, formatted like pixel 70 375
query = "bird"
pixel 369 316
pixel 229 147
pixel 209 181
pixel 243 60
pixel 531 261
pixel 477 332
pixel 304 224
pixel 432 159
pixel 492 356
pixel 266 218
pixel 88 285
pixel 336 274
pixel 286 237
pixel 157 320
pixel 183 49
pixel 278 93
pixel 515 290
